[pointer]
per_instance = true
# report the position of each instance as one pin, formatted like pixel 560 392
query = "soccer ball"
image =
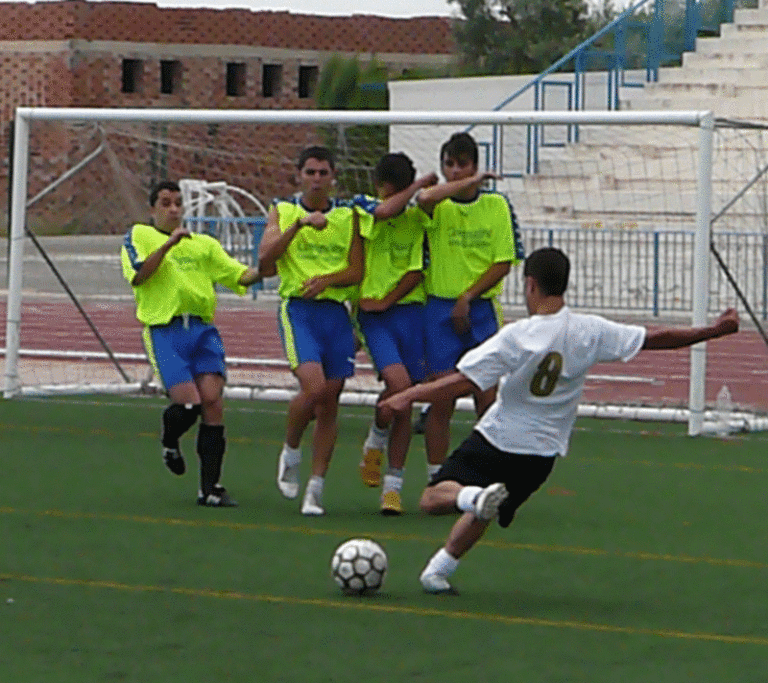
pixel 359 566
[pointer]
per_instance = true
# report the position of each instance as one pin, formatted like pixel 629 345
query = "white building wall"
pixel 484 93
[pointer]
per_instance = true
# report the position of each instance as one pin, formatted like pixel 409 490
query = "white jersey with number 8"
pixel 540 365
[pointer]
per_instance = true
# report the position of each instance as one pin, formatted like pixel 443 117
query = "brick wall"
pixel 74 58
pixel 147 23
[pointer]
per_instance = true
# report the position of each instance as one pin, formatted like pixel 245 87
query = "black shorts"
pixel 476 462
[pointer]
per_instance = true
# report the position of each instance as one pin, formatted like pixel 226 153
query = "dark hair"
pixel 162 185
pixel 550 268
pixel 460 146
pixel 316 152
pixel 396 169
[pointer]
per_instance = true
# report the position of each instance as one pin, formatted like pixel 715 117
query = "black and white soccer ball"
pixel 359 566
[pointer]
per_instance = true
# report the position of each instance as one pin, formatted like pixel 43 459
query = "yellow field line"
pixel 366 605
pixel 386 536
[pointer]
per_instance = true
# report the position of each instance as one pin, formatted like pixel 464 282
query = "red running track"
pixel 655 378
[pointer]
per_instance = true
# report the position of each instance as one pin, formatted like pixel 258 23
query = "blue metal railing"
pixel 633 271
pixel 570 71
pixel 647 273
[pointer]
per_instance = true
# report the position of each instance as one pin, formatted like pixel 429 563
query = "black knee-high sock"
pixel 177 419
pixel 211 445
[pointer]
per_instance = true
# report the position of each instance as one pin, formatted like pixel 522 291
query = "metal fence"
pixel 650 272
pixel 646 273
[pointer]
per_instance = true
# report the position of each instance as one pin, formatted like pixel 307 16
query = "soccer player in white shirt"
pixel 539 364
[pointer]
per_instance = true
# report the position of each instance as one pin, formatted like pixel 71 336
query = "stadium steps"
pixel 648 174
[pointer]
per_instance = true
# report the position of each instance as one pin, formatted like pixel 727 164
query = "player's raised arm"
pixel 675 338
pixel 430 197
pixel 396 202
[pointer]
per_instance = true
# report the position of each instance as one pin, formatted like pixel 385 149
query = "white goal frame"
pixel 703 120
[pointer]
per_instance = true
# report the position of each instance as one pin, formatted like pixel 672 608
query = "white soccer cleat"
pixel 312 506
pixel 488 501
pixel 436 584
pixel 287 477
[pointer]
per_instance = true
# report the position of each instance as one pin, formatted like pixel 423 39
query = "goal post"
pixel 504 137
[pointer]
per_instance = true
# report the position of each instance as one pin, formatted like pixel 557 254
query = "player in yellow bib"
pixel 315 244
pixel 473 241
pixel 391 312
pixel 173 273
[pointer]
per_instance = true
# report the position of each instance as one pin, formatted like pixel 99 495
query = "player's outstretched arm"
pixel 430 197
pixel 673 338
pixel 393 205
pixel 448 386
pixel 250 277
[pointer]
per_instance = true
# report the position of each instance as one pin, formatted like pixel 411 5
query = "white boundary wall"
pixel 485 93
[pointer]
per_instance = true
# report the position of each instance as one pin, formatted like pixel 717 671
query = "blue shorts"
pixel 318 331
pixel 179 353
pixel 396 336
pixel 443 346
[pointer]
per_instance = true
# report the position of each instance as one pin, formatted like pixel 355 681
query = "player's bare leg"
pixel 301 411
pixel 440 499
pixel 479 505
pixel 301 408
pixel 186 392
pixel 326 426
pixel 397 379
pixel 210 387
pixel 437 431
pixel 323 441
pixel 467 531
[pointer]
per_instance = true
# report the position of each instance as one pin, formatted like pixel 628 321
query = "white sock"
pixel 432 470
pixel 316 484
pixel 392 483
pixel 291 456
pixel 465 501
pixel 442 563
pixel 378 437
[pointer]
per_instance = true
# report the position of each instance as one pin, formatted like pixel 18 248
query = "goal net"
pixel 633 197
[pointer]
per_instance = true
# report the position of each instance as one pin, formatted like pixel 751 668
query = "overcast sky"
pixel 387 8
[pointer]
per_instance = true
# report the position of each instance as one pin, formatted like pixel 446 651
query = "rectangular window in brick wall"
pixel 133 70
pixel 308 80
pixel 271 80
pixel 235 79
pixel 170 76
